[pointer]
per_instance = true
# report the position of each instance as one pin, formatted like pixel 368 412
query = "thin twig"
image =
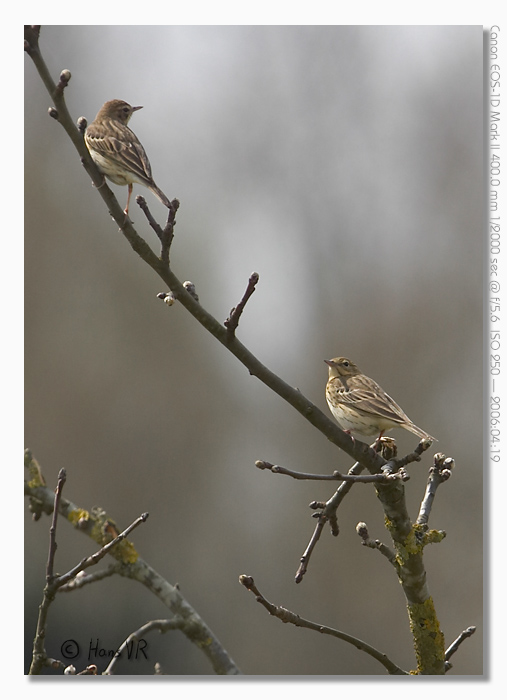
pixel 287 616
pixel 440 471
pixel 62 478
pixel 39 656
pixel 141 201
pixel 94 558
pixel 383 478
pixel 329 508
pixel 389 554
pixel 277 469
pixel 84 579
pixel 233 320
pixel 305 558
pixel 457 643
pixel 327 514
pixel 163 626
pixel 165 234
pixel 415 456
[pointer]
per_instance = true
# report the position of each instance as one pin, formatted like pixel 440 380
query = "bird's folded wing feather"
pixel 128 153
pixel 371 399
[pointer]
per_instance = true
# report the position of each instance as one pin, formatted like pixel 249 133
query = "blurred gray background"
pixel 344 165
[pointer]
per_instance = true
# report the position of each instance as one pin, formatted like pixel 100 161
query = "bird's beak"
pixel 330 363
pixel 134 109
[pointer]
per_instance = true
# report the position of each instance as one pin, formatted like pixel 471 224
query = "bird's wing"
pixel 366 395
pixel 126 151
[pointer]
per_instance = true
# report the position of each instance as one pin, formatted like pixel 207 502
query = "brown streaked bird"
pixel 117 151
pixel 360 405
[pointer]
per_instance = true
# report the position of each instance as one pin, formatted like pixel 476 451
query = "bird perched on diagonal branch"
pixel 360 405
pixel 117 151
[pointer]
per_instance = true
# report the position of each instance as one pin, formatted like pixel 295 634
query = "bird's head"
pixel 341 367
pixel 117 109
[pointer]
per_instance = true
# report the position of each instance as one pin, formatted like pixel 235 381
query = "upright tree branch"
pixel 233 320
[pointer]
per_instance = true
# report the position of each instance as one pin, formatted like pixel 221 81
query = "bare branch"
pixel 53 583
pixel 406 537
pixel 287 616
pixel 414 456
pixel 165 234
pixel 130 565
pixel 232 321
pixel 305 559
pixel 362 531
pixel 84 579
pixel 440 471
pixel 162 626
pixel 39 656
pixel 388 448
pixel 358 450
pixel 327 514
pixel 457 643
pixel 94 558
pixel 62 477
pixel 330 507
pixel 383 478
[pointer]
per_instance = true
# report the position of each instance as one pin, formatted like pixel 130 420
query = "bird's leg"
pixel 126 210
pixel 97 187
pixel 377 441
pixel 349 433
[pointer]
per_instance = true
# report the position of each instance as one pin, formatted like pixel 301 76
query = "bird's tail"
pixel 158 192
pixel 420 433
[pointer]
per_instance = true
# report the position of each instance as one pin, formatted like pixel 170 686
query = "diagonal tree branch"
pixel 287 616
pixel 358 450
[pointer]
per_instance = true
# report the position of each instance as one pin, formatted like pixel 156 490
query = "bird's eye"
pixel 126 110
pixel 345 363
